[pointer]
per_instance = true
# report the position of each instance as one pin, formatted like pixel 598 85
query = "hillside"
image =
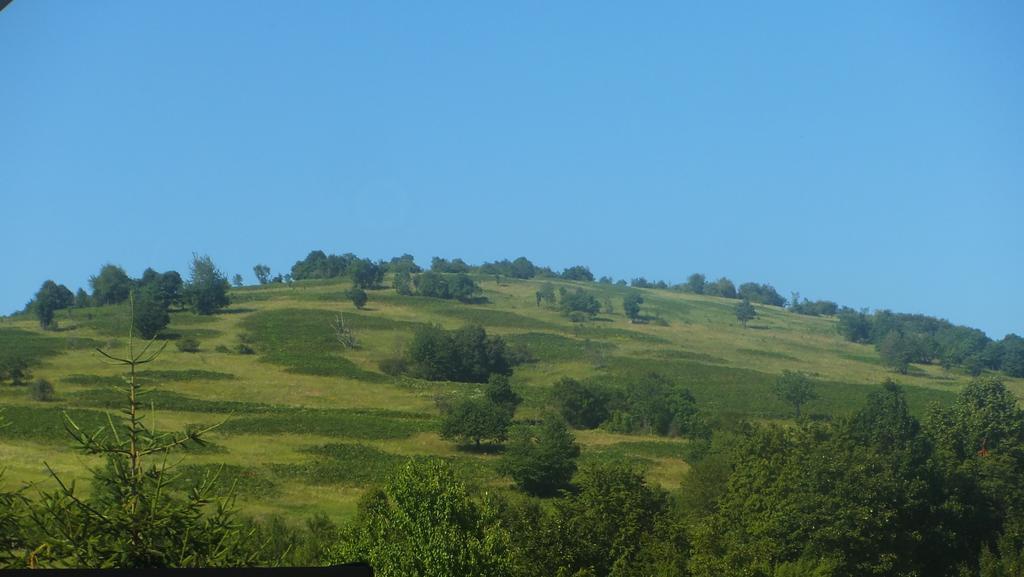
pixel 308 425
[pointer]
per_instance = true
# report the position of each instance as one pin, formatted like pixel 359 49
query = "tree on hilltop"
pixel 111 286
pixel 51 298
pixel 208 289
pixel 262 273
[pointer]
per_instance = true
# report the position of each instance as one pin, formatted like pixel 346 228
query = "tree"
pixel 424 523
pixel 855 326
pixel 150 315
pixel 499 391
pixel 358 297
pixel 745 312
pixel 82 298
pixel 262 273
pixel 208 289
pixel 795 388
pixel 111 286
pixel 722 287
pixel 580 301
pixel 432 284
pixel 631 306
pixel 653 405
pixel 403 282
pixel 578 272
pixel 541 459
pixel 462 288
pixel 405 263
pixel 475 420
pixel 980 446
pixel 50 298
pixel 237 280
pixel 456 265
pixel 131 519
pixel 582 406
pixel 14 368
pixel 895 352
pixel 466 355
pixel 611 518
pixel 522 268
pixel 171 289
pixel 546 293
pixel 695 283
pixel 365 273
pixel 761 293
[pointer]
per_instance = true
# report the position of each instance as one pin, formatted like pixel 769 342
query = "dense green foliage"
pixel 873 495
pixel 475 420
pixel 580 301
pixel 51 298
pixel 631 306
pixel 457 286
pixel 424 523
pixel 466 354
pixel 902 339
pixel 519 268
pixel 207 289
pixel 111 286
pixel 583 406
pixel 745 312
pixel 796 389
pixel 541 459
pixel 761 293
pixel 578 272
pixel 150 312
pixel 262 273
pixel 358 297
pixel 722 287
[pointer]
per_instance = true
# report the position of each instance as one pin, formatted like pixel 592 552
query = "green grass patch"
pixel 303 341
pixel 348 423
pixel 687 356
pixel 768 354
pixel 728 392
pixel 109 398
pixel 553 347
pixel 46 424
pixel 247 481
pixel 29 346
pixel 342 464
pixel 596 331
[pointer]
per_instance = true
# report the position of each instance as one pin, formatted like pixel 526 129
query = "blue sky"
pixel 868 153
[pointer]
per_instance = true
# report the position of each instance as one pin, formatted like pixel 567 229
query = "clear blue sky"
pixel 871 153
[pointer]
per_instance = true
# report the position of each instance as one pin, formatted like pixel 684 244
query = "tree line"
pixel 901 339
pixel 154 294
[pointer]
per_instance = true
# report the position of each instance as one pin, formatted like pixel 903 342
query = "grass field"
pixel 308 425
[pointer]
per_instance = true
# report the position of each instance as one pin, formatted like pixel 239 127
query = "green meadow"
pixel 306 425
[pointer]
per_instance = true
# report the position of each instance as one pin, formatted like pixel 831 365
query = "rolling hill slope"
pixel 308 424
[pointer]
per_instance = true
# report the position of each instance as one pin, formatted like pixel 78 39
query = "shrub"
pixel 41 390
pixel 188 345
pixel 358 297
pixel 222 349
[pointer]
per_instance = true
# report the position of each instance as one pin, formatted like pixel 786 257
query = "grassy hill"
pixel 308 425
